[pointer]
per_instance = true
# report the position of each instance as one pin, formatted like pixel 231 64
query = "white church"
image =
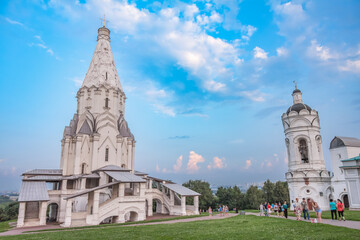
pixel 96 182
pixel 307 176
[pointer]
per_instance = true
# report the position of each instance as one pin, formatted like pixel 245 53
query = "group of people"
pixel 222 209
pixel 304 208
pixel 278 208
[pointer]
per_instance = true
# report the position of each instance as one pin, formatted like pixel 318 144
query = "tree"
pixel 206 199
pixel 281 192
pixel 253 198
pixel 268 189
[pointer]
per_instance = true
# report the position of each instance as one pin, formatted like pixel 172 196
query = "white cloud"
pixel 178 164
pixel 254 95
pixel 218 163
pixel 194 160
pixel 260 53
pixel 281 51
pixel 13 22
pixel 351 66
pixel 320 52
pixel 191 11
pixel 157 168
pixel 213 86
pixel 248 164
pixel 156 93
pixel 50 51
pixel 165 109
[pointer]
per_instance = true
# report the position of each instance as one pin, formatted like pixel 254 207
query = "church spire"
pixel 102 69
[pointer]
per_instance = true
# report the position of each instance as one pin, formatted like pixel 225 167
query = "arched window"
pixel 83 168
pixel 106 154
pixel 303 150
pixel 106 102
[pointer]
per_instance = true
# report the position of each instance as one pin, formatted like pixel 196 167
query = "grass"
pixel 121 224
pixel 247 227
pixel 4 226
pixel 349 215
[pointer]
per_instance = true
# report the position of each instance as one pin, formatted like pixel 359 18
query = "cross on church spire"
pixel 103 20
pixel 295 84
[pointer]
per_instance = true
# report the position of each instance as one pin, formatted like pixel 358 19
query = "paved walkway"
pixel 348 224
pixel 18 231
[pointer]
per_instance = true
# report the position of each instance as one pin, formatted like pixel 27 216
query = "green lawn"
pixel 4 226
pixel 247 227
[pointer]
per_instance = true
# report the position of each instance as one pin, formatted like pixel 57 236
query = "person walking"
pixel 340 208
pixel 269 209
pixel 318 211
pixel 261 209
pixel 276 209
pixel 280 210
pixel 297 209
pixel 305 209
pixel 333 209
pixel 266 209
pixel 285 207
pixel 210 211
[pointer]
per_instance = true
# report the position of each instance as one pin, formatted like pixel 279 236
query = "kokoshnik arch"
pixel 97 182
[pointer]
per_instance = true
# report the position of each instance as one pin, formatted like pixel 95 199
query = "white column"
pixel 150 184
pixel 119 141
pixel 129 157
pixel 196 204
pixel 96 203
pixel 183 205
pixel 21 216
pixel 142 189
pixel 77 169
pixel 65 156
pixel 94 157
pixel 83 184
pixel 42 213
pixel 133 155
pixel 121 189
pixel 68 213
pixel 171 197
pixel 150 207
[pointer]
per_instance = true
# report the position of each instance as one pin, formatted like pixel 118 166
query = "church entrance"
pixel 346 201
pixel 309 203
pixel 52 213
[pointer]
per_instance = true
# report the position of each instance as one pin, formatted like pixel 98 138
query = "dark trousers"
pixel 306 212
pixel 341 214
pixel 285 213
pixel 333 212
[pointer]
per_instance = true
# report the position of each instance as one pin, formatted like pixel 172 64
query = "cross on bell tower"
pixel 104 21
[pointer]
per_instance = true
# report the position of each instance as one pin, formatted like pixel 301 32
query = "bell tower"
pixel 307 176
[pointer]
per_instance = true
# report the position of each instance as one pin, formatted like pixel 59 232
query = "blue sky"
pixel 206 81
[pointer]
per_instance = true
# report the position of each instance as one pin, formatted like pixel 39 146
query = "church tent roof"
pixel 125 177
pixel 33 191
pixel 183 191
pixel 344 141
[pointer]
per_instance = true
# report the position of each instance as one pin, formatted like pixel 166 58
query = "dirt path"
pixel 348 224
pixel 18 231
